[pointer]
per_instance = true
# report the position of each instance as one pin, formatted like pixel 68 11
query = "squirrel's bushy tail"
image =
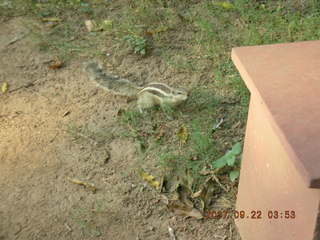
pixel 110 82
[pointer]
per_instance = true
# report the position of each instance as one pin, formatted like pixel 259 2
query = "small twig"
pixel 52 139
pixel 17 38
pixel 17 233
pixel 15 114
pixel 19 230
pixel 217 180
pixel 218 124
pixel 66 113
pixel 31 84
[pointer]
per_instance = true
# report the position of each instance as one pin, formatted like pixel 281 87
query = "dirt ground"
pixel 39 155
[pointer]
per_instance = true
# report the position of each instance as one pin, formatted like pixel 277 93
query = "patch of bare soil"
pixel 42 148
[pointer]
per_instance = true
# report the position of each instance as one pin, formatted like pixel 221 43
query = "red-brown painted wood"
pixel 281 160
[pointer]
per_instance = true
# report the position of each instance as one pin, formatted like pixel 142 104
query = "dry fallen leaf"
pixel 205 194
pixel 85 184
pixel 180 201
pixel 179 208
pixel 150 179
pixel 4 87
pixel 226 5
pixel 56 64
pixel 51 19
pixel 90 25
pixel 183 134
pixel 107 24
pixel 162 132
pixel 197 194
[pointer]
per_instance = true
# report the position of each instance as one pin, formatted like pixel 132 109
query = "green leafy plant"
pixel 137 43
pixel 229 159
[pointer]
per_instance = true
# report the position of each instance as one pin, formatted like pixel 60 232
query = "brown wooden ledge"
pixel 287 79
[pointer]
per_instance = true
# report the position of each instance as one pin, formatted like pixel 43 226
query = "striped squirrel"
pixel 152 94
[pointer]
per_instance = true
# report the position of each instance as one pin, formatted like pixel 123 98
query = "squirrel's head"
pixel 180 94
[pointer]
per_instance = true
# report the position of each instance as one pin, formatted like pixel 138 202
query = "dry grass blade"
pixel 85 184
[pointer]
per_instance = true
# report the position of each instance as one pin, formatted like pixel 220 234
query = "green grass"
pixel 194 38
pixel 159 139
